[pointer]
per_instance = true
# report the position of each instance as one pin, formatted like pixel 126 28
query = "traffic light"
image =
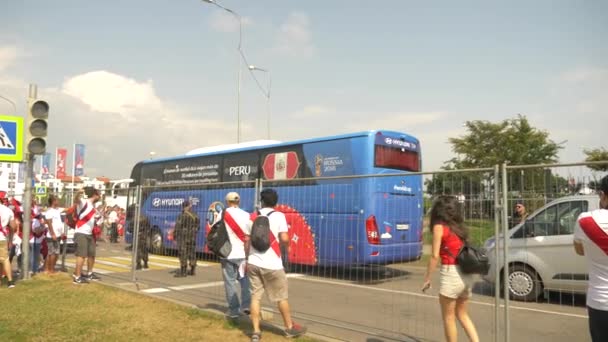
pixel 37 126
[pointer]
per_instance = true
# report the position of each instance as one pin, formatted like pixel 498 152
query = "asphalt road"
pixel 380 304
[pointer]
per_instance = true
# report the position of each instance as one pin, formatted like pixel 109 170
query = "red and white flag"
pixel 60 167
pixel 283 165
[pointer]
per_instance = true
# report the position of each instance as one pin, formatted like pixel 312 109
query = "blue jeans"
pixel 230 272
pixel 35 256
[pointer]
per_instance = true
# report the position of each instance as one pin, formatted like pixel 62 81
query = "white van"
pixel 541 253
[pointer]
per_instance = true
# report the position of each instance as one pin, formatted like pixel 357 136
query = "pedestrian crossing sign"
pixel 40 190
pixel 11 138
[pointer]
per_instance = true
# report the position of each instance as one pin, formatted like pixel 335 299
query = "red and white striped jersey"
pixel 592 231
pixel 86 217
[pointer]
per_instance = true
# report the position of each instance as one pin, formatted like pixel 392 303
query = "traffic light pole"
pixel 27 199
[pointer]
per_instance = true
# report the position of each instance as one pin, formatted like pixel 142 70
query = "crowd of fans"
pixel 50 228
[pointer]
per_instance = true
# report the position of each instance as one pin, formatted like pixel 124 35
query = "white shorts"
pixel 453 284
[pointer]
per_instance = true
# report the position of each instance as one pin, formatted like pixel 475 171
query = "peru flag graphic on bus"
pixel 283 165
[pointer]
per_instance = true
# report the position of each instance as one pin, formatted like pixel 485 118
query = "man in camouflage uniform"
pixel 186 229
pixel 143 241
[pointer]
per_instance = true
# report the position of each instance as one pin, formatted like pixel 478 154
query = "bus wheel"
pixel 156 241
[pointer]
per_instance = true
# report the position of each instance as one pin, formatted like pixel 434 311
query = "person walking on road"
pixel 142 243
pixel 449 232
pixel 591 240
pixel 113 219
pixel 265 269
pixel 186 229
pixel 238 226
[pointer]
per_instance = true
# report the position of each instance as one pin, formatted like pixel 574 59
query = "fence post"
pixel 505 232
pixel 65 247
pixel 497 219
pixel 256 191
pixel 135 243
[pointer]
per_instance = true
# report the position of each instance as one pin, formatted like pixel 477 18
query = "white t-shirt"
pixel 89 212
pixel 37 227
pixel 6 215
pixel 113 217
pixel 53 215
pixel 592 231
pixel 242 218
pixel 269 259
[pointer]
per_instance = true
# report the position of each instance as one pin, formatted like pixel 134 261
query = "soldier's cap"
pixel 186 204
pixel 519 202
pixel 232 197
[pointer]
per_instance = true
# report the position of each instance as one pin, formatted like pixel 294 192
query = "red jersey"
pixel 449 242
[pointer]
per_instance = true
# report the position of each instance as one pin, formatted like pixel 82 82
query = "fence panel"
pixel 161 247
pixel 543 203
pixel 359 246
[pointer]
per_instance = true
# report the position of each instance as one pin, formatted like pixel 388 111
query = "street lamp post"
pixel 238 83
pixel 266 94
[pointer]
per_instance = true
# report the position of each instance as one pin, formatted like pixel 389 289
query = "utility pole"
pixel 27 196
pixel 35 134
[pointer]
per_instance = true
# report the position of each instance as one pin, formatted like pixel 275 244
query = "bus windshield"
pixel 396 158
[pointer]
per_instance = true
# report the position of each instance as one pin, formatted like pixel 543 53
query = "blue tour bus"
pixel 338 212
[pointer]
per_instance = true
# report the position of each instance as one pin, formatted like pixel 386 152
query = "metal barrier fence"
pixel 360 244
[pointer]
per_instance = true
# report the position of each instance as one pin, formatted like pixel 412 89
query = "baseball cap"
pixel 232 197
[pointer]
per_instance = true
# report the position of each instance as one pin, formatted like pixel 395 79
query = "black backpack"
pixel 260 232
pixel 218 241
pixel 471 260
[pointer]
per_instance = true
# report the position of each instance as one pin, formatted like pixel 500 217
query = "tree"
pixel 512 141
pixel 597 154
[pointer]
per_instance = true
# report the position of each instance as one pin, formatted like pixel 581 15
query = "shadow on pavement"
pixel 557 298
pixel 364 275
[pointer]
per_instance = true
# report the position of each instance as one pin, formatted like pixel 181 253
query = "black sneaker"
pixel 295 330
pixel 80 281
pixel 11 284
pixel 93 277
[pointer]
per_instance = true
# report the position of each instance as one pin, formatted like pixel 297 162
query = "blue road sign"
pixel 40 190
pixel 11 138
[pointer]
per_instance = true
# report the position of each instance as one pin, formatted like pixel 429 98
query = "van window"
pixel 568 213
pixel 541 223
pixel 558 219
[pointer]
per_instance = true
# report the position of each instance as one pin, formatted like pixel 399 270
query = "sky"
pixel 127 78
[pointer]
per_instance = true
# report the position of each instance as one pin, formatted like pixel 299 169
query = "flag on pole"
pixel 79 160
pixel 46 166
pixel 62 154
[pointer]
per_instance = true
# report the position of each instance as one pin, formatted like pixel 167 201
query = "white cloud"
pixel 584 74
pixel 294 37
pixel 8 54
pixel 104 91
pixel 222 21
pixel 121 120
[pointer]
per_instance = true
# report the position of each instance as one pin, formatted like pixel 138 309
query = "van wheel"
pixel 524 283
pixel 156 241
